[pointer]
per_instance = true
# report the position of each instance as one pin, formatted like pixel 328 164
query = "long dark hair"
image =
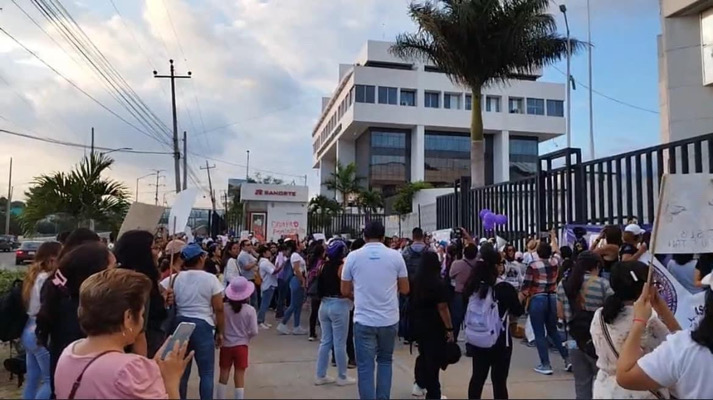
pixel 236 306
pixel 42 263
pixel 485 273
pixel 587 261
pixel 703 334
pixel 76 266
pixel 427 276
pixel 77 238
pixel 133 251
pixel 315 255
pixel 625 287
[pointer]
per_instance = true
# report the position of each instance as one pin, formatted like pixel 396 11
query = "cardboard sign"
pixel 181 211
pixel 143 217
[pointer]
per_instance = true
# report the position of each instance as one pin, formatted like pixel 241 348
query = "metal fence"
pixel 341 223
pixel 566 190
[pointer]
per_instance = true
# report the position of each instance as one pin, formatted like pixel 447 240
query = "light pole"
pixel 137 184
pixel 563 9
pixel 113 150
pixel 591 107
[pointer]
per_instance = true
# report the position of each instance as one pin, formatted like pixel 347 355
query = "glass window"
pixel 408 97
pixel 387 95
pixel 492 103
pixel 451 101
pixel 468 101
pixel 365 94
pixel 524 155
pixel 516 105
pixel 432 99
pixel 535 106
pixel 555 108
pixel 395 140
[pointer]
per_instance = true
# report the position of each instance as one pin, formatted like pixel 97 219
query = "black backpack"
pixel 13 312
pixel 413 260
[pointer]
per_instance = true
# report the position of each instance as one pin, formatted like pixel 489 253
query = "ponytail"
pixel 612 307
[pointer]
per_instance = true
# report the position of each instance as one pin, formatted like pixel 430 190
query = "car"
pixel 5 245
pixel 26 253
pixel 10 239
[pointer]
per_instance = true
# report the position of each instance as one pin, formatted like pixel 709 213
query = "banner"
pixel 144 217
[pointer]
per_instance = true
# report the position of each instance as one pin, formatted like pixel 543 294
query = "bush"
pixel 7 277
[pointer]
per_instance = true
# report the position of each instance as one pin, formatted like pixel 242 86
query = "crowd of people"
pixel 100 317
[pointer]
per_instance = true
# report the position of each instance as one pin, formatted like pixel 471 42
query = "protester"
pixel 683 268
pixel 539 286
pixel 632 248
pixel 298 286
pixel 333 316
pixel 610 250
pixel 37 357
pixel 681 363
pixel 314 265
pixel 460 272
pixel 530 251
pixel 77 238
pixel 513 269
pixel 412 257
pixel 374 275
pixel 247 265
pixel 567 263
pixel 214 262
pixel 268 274
pixel 578 297
pixel 199 299
pixel 111 309
pixel 137 251
pixel 282 262
pixel 231 267
pixel 240 327
pixel 615 320
pixel 57 324
pixel 484 327
pixel 172 253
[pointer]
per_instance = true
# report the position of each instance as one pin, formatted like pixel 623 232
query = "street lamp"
pixel 137 184
pixel 111 151
pixel 563 9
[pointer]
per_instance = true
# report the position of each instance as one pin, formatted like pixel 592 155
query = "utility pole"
pixel 176 152
pixel 210 183
pixel 185 161
pixel 9 201
pixel 591 106
pixel 158 176
pixel 92 141
pixel 247 168
pixel 568 97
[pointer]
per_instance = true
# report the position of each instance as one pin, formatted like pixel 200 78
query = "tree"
pixel 370 201
pixel 81 194
pixel 477 43
pixel 268 179
pixel 404 197
pixel 344 180
pixel 322 209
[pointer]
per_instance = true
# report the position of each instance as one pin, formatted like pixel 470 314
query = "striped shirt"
pixel 597 290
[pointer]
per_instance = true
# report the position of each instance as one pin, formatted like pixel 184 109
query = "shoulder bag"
pixel 78 381
pixel 169 323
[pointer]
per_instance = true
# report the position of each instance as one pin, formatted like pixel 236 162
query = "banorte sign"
pixel 284 193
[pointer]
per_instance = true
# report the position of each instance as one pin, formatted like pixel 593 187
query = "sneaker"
pixel 334 363
pixel 346 381
pixel 543 369
pixel 324 381
pixel 312 338
pixel 350 365
pixel 299 331
pixel 417 391
pixel 264 326
pixel 283 329
pixel 567 366
pixel 268 325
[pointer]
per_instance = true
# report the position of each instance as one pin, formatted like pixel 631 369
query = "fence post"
pixel 464 213
pixel 456 217
pixel 540 194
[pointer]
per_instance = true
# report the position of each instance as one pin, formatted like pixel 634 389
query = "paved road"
pixel 7 260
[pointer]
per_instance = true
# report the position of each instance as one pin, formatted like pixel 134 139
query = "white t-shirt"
pixel 194 291
pixel 34 306
pixel 231 271
pixel 267 273
pixel 374 270
pixel 682 365
pixel 297 258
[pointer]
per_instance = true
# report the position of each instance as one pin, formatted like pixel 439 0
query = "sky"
pixel 259 69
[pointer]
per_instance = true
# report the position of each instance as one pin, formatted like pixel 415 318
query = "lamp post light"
pixel 113 150
pixel 137 185
pixel 563 9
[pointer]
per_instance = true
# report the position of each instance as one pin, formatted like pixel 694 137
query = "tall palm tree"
pixel 370 201
pixel 477 43
pixel 82 194
pixel 344 180
pixel 322 209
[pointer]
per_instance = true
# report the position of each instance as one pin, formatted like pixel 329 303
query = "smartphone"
pixel 183 332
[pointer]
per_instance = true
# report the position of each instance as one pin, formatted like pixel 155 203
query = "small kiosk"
pixel 275 211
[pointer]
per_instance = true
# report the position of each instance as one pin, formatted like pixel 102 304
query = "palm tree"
pixel 344 180
pixel 404 197
pixel 477 43
pixel 370 201
pixel 82 194
pixel 322 209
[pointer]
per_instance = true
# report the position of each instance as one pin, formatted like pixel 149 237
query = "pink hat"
pixel 239 289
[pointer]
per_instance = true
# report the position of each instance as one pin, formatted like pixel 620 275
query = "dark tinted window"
pixel 30 245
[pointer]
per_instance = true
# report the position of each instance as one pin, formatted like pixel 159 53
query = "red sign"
pixel 286 193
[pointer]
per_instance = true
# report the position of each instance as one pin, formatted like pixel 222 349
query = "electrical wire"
pixel 71 144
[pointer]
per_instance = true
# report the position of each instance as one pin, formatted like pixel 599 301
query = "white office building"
pixel 401 121
pixel 686 69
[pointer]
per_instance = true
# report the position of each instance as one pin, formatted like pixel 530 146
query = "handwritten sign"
pixel 685 220
pixel 142 217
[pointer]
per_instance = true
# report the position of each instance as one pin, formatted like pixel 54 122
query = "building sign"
pixel 260 192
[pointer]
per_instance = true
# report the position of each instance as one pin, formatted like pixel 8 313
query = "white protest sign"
pixel 685 223
pixel 144 217
pixel 181 210
pixel 441 235
pixel 319 236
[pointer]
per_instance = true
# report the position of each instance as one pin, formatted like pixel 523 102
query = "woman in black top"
pixel 333 316
pixel 482 282
pixel 214 262
pixel 632 248
pixel 431 323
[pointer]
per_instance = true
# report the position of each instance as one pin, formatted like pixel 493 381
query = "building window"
pixel 516 105
pixel 365 94
pixel 389 158
pixel 468 101
pixel 492 103
pixel 447 157
pixel 555 108
pixel 408 97
pixel 451 101
pixel 536 106
pixel 524 155
pixel 387 95
pixel 432 99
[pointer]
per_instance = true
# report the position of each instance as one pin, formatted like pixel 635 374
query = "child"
pixel 240 327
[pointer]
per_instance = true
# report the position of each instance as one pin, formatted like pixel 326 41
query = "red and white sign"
pixel 286 220
pixel 260 192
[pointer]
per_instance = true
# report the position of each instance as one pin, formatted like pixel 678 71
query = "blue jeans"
pixel 374 343
pixel 457 308
pixel 202 341
pixel 543 315
pixel 283 294
pixel 297 298
pixel 334 322
pixel 265 303
pixel 37 360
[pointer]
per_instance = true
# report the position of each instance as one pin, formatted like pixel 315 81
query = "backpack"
pixel 483 324
pixel 13 312
pixel 580 323
pixel 413 260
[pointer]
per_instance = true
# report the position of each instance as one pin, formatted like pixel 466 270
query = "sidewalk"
pixel 282 367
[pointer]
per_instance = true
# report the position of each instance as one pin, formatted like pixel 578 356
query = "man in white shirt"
pixel 374 276
pixel 247 265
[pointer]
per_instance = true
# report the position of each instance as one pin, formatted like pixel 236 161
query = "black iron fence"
pixel 566 190
pixel 341 223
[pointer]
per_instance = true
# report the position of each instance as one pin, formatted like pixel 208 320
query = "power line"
pixel 72 144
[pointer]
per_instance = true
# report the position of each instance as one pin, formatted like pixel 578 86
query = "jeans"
pixel 428 364
pixel 350 341
pixel 265 303
pixel 283 297
pixel 334 320
pixel 314 315
pixel 297 297
pixel 457 308
pixel 37 359
pixel 543 315
pixel 374 343
pixel 585 371
pixel 254 298
pixel 202 342
pixel 496 358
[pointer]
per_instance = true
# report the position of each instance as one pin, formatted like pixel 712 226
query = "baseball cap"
pixel 192 251
pixel 374 230
pixel 634 228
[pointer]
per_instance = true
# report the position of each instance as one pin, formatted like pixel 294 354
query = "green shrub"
pixel 7 277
